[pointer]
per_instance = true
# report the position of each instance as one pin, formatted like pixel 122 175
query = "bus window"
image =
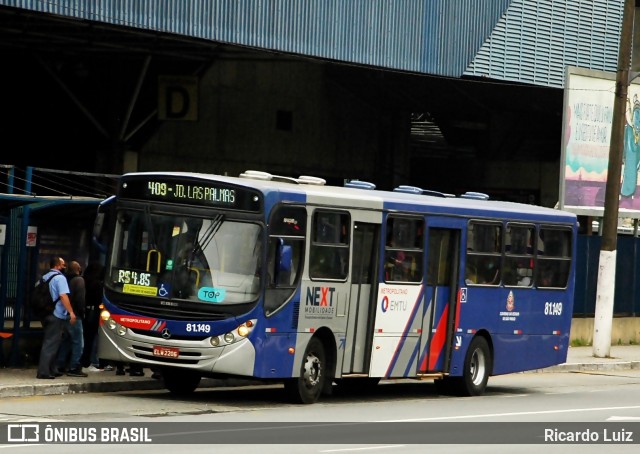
pixel 404 249
pixel 284 255
pixel 518 267
pixel 329 254
pixel 554 257
pixel 439 256
pixel 484 253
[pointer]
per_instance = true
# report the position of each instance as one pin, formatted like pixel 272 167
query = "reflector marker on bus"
pixel 309 330
pixel 418 330
pixel 270 330
pixel 379 330
pixel 517 331
pixel 557 332
pixel 471 331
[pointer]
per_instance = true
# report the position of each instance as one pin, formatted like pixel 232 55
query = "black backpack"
pixel 41 302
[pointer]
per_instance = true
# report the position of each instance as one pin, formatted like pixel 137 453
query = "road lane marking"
pixel 369 448
pixel 519 413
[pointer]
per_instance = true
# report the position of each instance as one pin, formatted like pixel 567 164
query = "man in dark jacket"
pixel 73 340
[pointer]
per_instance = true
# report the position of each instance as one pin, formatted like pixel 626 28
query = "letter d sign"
pixel 178 98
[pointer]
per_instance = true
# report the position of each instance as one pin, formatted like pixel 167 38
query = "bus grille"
pixel 158 335
pixel 171 313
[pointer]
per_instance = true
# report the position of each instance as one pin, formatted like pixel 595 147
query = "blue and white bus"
pixel 292 280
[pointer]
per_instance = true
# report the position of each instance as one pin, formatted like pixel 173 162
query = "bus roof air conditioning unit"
pixel 420 191
pixel 306 179
pixel 256 175
pixel 359 184
pixel 475 195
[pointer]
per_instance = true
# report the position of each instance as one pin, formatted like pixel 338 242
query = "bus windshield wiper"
pixel 149 225
pixel 202 242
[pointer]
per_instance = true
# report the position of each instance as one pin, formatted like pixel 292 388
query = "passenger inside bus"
pixel 396 266
pixel 184 277
pixel 489 273
pixel 471 274
pixel 546 278
pixel 524 277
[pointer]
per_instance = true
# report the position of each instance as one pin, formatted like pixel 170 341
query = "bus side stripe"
pixel 437 343
pixel 410 320
pixel 458 299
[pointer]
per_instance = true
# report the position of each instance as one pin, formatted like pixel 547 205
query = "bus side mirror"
pixel 98 240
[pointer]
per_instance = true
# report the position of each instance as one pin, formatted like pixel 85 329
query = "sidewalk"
pixel 581 359
pixel 23 382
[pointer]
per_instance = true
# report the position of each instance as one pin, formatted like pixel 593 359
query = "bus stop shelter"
pixel 34 228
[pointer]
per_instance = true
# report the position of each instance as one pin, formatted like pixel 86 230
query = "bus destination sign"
pixel 192 192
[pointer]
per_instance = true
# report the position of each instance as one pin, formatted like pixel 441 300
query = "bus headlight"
pixel 239 333
pixel 111 323
pixel 122 330
pixel 243 331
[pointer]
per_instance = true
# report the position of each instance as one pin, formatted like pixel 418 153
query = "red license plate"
pixel 166 352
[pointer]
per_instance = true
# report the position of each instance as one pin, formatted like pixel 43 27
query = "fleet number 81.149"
pixel 198 328
pixel 552 308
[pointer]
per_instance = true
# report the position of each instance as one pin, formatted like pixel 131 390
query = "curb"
pixel 592 367
pixel 54 389
pixel 75 388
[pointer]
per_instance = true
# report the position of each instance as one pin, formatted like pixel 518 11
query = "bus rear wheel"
pixel 477 368
pixel 306 388
pixel 180 382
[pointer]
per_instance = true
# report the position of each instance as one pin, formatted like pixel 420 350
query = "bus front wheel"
pixel 180 382
pixel 477 368
pixel 306 388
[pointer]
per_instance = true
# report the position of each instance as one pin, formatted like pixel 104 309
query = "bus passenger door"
pixel 361 313
pixel 438 322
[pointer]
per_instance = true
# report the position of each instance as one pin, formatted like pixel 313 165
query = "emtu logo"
pixel 384 304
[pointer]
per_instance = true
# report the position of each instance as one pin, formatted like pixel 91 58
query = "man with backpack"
pixel 53 324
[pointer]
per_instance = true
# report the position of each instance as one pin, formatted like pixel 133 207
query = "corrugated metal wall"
pixel 424 36
pixel 518 40
pixel 536 40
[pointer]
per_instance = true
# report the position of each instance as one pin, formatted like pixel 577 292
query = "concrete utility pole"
pixel 608 250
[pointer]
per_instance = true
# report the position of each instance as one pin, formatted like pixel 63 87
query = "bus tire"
pixel 477 368
pixel 180 382
pixel 306 388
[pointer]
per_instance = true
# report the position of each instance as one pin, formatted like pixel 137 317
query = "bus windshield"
pixel 209 260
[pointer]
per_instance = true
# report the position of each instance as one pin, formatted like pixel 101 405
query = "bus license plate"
pixel 166 352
